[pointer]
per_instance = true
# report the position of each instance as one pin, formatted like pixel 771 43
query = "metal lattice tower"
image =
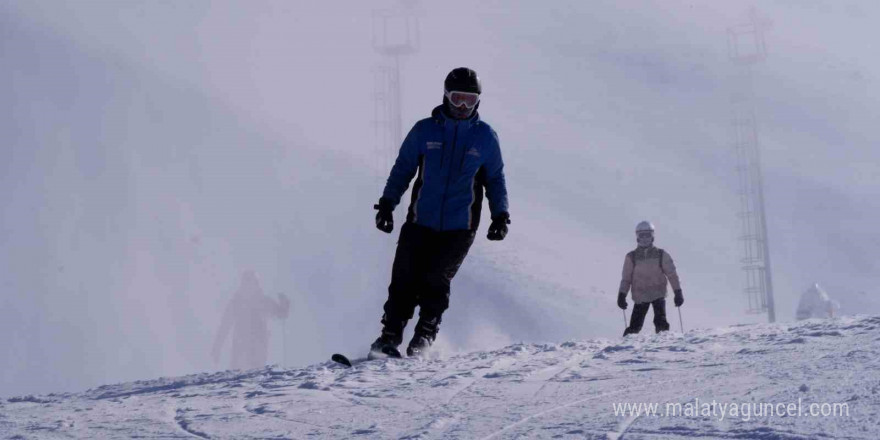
pixel 395 35
pixel 746 48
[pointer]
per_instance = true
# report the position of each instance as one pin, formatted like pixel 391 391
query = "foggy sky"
pixel 152 151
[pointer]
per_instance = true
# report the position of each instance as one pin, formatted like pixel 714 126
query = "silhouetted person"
pixel 247 316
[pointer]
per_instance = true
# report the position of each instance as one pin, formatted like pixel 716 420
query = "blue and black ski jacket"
pixel 455 160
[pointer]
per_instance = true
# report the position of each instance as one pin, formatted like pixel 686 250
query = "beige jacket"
pixel 646 270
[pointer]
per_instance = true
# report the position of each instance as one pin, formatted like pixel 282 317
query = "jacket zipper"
pixel 448 176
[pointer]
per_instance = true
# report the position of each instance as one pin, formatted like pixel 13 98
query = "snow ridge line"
pixel 567 365
pixel 255 412
pixel 624 426
pixel 449 419
pixel 184 425
pixel 621 428
pixel 567 405
pixel 496 366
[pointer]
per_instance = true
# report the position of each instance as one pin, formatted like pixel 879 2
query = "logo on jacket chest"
pixel 432 145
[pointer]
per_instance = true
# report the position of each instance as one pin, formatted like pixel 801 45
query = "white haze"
pixel 151 151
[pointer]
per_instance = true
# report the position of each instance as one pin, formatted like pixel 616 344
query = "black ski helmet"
pixel 462 79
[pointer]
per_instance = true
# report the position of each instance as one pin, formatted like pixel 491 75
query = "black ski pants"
pixel 641 310
pixel 424 265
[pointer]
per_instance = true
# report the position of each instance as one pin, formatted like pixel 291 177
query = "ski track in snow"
pixel 522 391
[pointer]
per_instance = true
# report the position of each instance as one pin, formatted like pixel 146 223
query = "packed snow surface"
pixel 566 390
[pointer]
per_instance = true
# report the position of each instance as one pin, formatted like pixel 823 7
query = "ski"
pixel 341 359
pixel 387 352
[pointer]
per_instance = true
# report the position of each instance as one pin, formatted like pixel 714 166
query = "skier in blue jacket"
pixel 453 155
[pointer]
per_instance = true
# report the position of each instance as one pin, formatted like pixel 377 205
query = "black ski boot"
pixel 385 346
pixel 419 346
pixel 426 331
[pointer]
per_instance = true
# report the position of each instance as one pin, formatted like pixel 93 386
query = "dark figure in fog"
pixel 247 316
pixel 646 270
pixel 455 156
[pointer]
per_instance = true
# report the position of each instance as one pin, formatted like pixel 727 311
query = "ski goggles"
pixel 646 234
pixel 458 99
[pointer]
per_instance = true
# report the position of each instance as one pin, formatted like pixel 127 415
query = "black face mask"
pixel 645 240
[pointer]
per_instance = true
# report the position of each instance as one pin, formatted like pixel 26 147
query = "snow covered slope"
pixel 565 390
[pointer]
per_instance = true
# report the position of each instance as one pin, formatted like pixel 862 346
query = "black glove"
pixel 384 219
pixel 621 300
pixel 498 228
pixel 679 299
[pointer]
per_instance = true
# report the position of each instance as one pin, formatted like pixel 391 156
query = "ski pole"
pixel 625 325
pixel 283 335
pixel 284 341
pixel 679 319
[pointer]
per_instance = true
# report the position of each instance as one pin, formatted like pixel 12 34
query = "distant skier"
pixel 246 318
pixel 815 303
pixel 647 269
pixel 455 155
